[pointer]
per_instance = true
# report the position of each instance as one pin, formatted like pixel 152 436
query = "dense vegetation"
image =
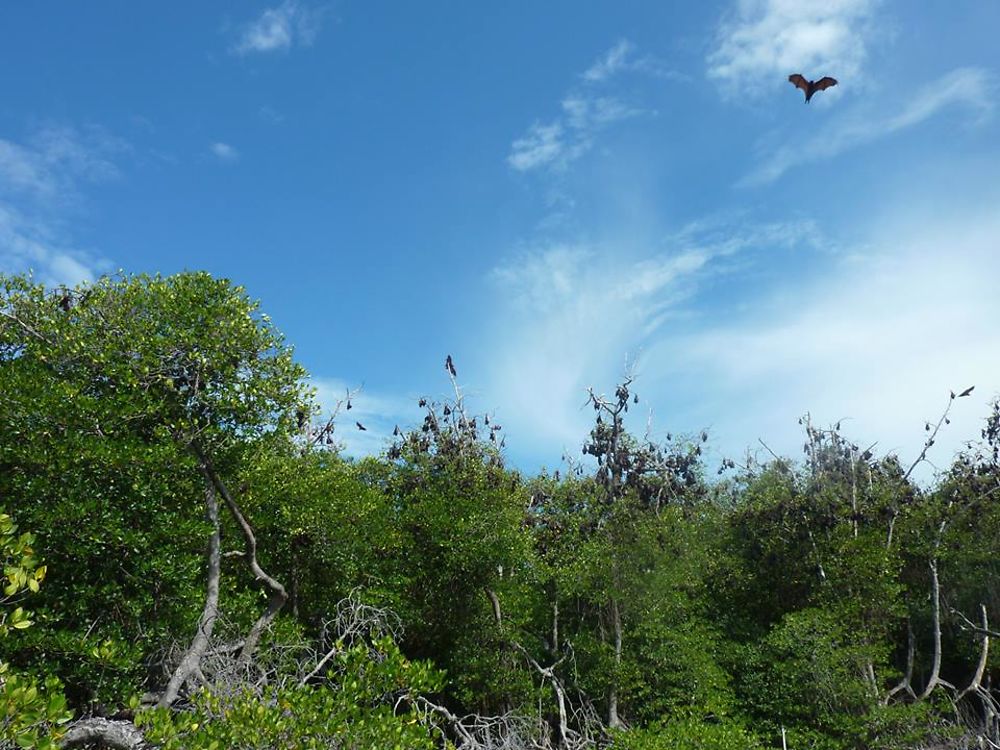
pixel 189 563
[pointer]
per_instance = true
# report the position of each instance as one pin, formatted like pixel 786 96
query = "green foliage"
pixel 780 599
pixel 688 734
pixel 30 713
pixel 109 392
pixel 459 515
pixel 327 527
pixel 365 703
pixel 811 668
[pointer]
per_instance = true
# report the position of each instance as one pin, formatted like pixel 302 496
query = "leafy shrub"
pixel 365 702
pixel 30 714
pixel 688 734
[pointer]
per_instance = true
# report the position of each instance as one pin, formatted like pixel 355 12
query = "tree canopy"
pixel 189 561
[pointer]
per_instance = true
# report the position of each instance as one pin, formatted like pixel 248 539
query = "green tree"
pixel 131 406
pixel 31 714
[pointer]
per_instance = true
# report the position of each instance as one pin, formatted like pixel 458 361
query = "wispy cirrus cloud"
pixel 585 111
pixel 971 89
pixel 541 145
pixel 53 159
pixel 574 312
pixel 760 42
pixel 614 60
pixel 224 152
pixel 875 334
pixel 39 182
pixel 279 29
pixel 28 246
pixel 878 340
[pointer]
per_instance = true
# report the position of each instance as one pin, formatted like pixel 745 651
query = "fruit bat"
pixel 811 87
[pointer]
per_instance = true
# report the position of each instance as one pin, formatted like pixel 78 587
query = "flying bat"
pixel 811 87
pixel 360 426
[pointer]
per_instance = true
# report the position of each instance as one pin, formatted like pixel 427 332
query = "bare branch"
pixel 355 620
pixel 931 438
pixel 119 735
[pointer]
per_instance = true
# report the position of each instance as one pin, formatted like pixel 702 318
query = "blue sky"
pixel 546 191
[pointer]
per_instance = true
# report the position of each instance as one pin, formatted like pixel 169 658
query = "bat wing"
pixel 800 82
pixel 825 82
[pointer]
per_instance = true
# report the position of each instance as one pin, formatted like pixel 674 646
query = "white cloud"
pixel 279 28
pixel 970 88
pixel 561 142
pixel 541 145
pixel 573 313
pixel 39 183
pixel 585 112
pixel 27 246
pixel 611 62
pixel 270 114
pixel 22 169
pixel 225 152
pixel 878 341
pixel 876 335
pixel 760 42
pixel 54 159
pixel 588 114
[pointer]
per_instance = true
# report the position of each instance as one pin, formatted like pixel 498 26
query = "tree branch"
pixel 119 735
pixel 977 680
pixel 277 594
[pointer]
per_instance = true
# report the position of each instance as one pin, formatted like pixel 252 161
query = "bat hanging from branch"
pixel 811 87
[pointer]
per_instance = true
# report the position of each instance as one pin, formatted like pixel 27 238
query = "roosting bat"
pixel 811 87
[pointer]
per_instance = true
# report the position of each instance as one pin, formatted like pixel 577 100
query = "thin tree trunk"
pixel 277 596
pixel 549 673
pixel 907 682
pixel 616 623
pixel 977 680
pixel 555 627
pixel 935 678
pixel 210 612
pixel 495 604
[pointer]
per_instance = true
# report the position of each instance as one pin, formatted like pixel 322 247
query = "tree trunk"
pixel 210 612
pixel 616 623
pixel 935 678
pixel 277 596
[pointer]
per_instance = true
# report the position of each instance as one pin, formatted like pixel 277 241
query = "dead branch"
pixel 509 731
pixel 355 620
pixel 933 436
pixel 495 604
pixel 119 735
pixel 324 434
